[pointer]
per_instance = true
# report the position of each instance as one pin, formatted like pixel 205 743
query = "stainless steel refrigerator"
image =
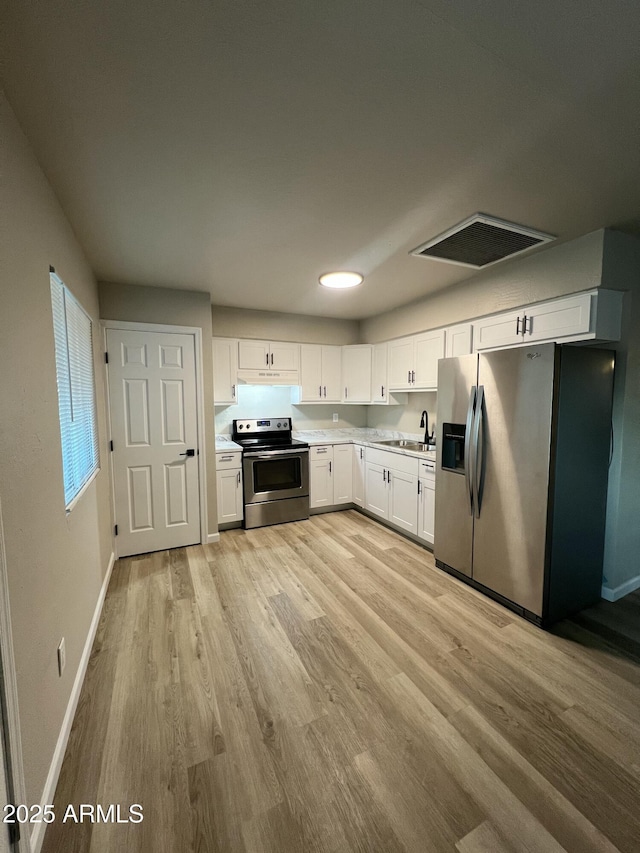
pixel 524 438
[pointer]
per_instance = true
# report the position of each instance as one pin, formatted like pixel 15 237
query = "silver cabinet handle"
pixel 267 358
pixel 226 458
pixel 384 475
pixel 361 452
pixel 272 359
pixel 329 466
pixel 321 449
pixel 413 377
pixel 408 377
pixel 325 390
pixel 238 477
pixel 345 392
pixel 320 390
pixel 419 488
pixel 382 391
pixel 518 326
pixel 233 391
pixel 524 325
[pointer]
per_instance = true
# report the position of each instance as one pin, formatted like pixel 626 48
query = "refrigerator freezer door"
pixel 454 522
pixel 509 548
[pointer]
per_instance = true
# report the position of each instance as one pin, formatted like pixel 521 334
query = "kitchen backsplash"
pixel 256 401
pixel 405 419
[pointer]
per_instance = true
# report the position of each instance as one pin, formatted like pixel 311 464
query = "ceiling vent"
pixel 481 240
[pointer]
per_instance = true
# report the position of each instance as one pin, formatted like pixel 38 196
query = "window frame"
pixel 73 331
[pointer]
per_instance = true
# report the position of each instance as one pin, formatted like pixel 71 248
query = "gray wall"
pixel 273 326
pixel 137 304
pixel 55 562
pixel 567 268
pixel 621 265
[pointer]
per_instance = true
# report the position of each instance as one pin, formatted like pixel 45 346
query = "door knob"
pixel 190 452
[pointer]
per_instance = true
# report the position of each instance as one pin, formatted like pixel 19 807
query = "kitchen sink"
pixel 407 443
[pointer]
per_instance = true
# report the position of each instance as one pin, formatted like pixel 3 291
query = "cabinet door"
pixel 426 511
pixel 429 348
pixel 400 354
pixel 563 318
pixel 403 510
pixel 358 475
pixel 377 491
pixel 284 356
pixel 458 340
pixel 379 388
pixel 356 374
pixel 332 374
pixel 320 482
pixel 311 373
pixel 225 371
pixel 230 506
pixel 342 473
pixel 499 331
pixel 253 355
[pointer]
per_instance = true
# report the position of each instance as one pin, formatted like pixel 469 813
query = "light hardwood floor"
pixel 321 687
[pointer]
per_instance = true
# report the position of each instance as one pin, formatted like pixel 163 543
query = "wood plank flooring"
pixel 320 687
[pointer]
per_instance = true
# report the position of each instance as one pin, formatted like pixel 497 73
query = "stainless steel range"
pixel 275 470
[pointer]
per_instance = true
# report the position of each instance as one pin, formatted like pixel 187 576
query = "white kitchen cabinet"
pixel 379 384
pixel 330 475
pixel 358 486
pixel 377 492
pixel 321 480
pixel 413 361
pixel 458 340
pixel 320 374
pixel 257 355
pixel 392 488
pixel 426 501
pixel 403 500
pixel 225 371
pixel 429 348
pixel 593 315
pixel 229 487
pixel 342 473
pixel 400 354
pixel 356 374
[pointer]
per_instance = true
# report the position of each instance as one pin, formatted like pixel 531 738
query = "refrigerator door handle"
pixel 478 452
pixel 467 447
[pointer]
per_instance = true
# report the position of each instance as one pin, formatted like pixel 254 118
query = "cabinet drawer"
pixel 232 459
pixel 321 451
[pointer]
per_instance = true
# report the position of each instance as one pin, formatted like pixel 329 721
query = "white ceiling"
pixel 244 147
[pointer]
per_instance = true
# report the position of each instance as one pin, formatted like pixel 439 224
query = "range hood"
pixel 269 377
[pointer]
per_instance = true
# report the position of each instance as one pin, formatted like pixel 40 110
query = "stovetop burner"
pixel 265 434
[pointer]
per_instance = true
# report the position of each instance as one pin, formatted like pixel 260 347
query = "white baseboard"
pixel 37 836
pixel 213 537
pixel 620 591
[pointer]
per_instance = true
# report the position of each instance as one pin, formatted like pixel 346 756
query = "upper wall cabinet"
pixel 595 315
pixel 225 371
pixel 458 340
pixel 356 374
pixel 320 374
pixel 256 355
pixel 413 362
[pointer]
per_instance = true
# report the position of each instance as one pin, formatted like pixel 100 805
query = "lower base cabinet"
pixel 392 488
pixel 359 473
pixel 330 475
pixel 229 487
pixel 427 501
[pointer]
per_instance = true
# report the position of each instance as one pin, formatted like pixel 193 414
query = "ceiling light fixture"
pixel 341 280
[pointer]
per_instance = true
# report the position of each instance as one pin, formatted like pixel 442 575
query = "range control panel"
pixel 249 426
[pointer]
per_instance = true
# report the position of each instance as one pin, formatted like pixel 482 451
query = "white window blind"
pixel 76 389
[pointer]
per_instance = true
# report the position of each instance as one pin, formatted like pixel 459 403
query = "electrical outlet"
pixel 62 657
pixel 335 417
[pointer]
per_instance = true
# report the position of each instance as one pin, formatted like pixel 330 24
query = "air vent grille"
pixel 481 240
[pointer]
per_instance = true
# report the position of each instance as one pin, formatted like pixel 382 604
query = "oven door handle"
pixel 271 453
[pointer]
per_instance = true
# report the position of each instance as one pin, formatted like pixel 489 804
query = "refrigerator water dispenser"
pixel 453 436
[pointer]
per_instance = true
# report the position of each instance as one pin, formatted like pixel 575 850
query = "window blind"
pixel 76 389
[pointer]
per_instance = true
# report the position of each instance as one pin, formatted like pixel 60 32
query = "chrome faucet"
pixel 424 422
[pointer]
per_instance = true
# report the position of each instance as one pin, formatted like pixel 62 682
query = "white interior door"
pixel 153 405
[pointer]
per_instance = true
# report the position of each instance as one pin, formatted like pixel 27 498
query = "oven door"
pixel 273 475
